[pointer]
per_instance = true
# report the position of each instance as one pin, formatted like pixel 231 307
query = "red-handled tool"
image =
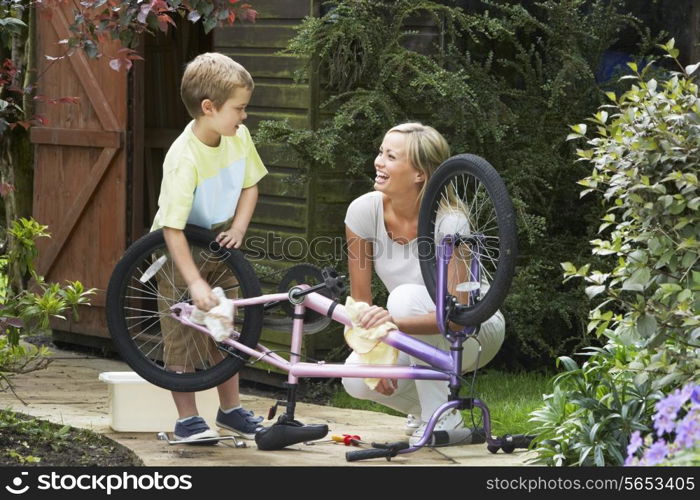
pixel 348 439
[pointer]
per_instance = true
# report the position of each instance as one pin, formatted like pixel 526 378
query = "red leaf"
pixel 163 21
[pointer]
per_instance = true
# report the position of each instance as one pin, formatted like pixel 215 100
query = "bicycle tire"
pixel 480 179
pixel 135 310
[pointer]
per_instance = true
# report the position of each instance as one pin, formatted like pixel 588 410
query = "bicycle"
pixel 476 257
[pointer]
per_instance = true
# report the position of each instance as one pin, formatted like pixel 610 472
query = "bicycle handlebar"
pixel 353 456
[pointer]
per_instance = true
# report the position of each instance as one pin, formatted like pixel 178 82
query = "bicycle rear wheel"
pixel 144 285
pixel 467 197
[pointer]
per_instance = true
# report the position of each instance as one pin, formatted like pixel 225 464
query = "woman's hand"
pixel 387 386
pixel 375 316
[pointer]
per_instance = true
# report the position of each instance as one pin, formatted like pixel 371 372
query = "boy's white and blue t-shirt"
pixel 202 184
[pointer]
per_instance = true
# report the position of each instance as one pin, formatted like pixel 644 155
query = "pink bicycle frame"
pixel 442 365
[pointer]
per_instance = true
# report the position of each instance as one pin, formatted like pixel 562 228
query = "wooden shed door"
pixel 80 169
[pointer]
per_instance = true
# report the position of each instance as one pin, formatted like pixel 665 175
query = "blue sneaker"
pixel 194 429
pixel 241 421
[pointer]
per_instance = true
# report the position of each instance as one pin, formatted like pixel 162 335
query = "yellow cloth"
pixel 367 342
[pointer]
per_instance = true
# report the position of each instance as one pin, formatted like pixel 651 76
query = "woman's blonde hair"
pixel 426 149
pixel 212 76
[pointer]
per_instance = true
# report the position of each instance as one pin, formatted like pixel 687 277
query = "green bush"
pixel 503 81
pixel 26 307
pixel 645 154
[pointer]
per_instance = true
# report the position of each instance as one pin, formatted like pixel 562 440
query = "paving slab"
pixel 69 392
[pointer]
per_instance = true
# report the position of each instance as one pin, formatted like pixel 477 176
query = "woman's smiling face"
pixel 394 172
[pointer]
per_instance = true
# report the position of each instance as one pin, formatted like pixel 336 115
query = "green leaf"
pixel 638 281
pixel 592 291
pixel 209 24
pixel 646 326
pixel 568 363
pixel 580 128
pixel 12 24
pixel 691 68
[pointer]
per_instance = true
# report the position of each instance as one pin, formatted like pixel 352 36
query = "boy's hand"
pixel 202 295
pixel 231 238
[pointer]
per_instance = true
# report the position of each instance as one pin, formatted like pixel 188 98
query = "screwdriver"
pixel 346 439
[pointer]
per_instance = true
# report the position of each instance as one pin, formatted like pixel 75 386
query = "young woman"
pixel 381 229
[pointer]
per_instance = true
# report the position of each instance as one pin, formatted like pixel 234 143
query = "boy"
pixel 210 177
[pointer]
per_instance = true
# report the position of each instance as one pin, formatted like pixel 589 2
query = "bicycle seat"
pixel 286 432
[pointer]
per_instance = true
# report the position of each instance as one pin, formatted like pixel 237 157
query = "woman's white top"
pixel 395 263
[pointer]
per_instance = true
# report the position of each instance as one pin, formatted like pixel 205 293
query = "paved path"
pixel 69 392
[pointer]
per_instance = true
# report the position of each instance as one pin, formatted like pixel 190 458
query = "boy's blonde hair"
pixel 211 76
pixel 426 149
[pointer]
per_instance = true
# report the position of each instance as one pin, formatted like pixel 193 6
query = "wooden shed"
pixel 98 163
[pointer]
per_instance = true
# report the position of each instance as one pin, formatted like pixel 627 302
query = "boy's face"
pixel 225 120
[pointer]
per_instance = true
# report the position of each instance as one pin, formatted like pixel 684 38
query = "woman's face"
pixel 394 173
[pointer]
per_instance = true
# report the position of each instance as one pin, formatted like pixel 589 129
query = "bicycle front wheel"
pixel 467 197
pixel 145 284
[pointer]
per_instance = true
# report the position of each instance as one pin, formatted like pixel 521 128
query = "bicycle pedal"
pixel 238 443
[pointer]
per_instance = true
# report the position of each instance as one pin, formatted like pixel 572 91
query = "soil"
pixel 28 441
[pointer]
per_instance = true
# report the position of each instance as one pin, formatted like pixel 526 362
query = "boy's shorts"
pixel 184 348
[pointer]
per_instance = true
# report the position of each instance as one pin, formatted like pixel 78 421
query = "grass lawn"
pixel 509 396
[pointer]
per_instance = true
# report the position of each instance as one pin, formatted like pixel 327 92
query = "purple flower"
pixel 688 430
pixel 687 392
pixel 695 396
pixel 666 411
pixel 656 453
pixel 635 443
pixel 663 424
